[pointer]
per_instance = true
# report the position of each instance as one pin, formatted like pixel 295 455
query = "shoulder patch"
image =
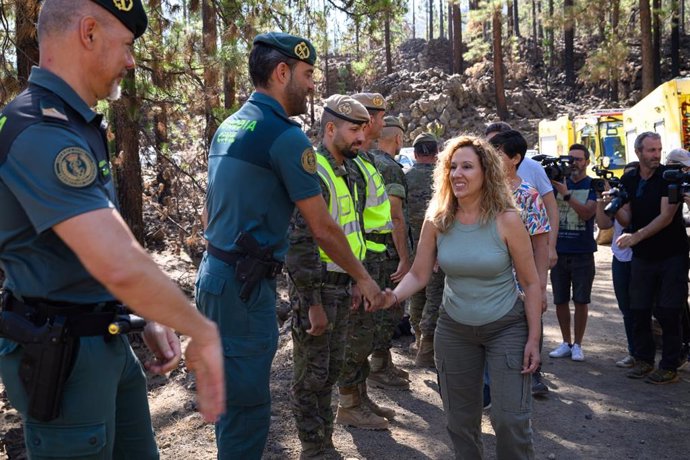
pixel 75 167
pixel 309 160
pixel 52 112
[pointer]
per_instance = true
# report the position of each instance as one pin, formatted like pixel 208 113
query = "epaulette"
pixel 53 109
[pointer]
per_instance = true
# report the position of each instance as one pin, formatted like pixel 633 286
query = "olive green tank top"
pixel 480 286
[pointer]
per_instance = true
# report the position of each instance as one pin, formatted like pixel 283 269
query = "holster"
pixel 49 344
pixel 46 361
pixel 256 264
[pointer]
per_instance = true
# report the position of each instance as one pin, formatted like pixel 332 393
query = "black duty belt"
pixel 382 238
pixel 336 278
pixel 84 320
pixel 231 258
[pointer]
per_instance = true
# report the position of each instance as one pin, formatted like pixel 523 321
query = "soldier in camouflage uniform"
pixel 320 291
pixel 397 262
pixel 382 258
pixel 355 407
pixel 424 304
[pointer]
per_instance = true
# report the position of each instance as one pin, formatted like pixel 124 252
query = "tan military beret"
pixel 346 108
pixel 372 101
pixel 424 137
pixel 392 122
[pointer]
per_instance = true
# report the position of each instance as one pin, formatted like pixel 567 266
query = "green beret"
pixel 346 108
pixel 291 46
pixel 424 137
pixel 130 13
pixel 372 101
pixel 390 121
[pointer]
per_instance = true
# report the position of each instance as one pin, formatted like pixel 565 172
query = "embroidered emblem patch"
pixel 309 161
pixel 75 167
pixel 378 101
pixel 345 108
pixel 123 5
pixel 302 50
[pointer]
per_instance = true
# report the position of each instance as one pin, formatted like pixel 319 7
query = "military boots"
pixel 384 375
pixel 353 412
pixel 425 355
pixel 375 408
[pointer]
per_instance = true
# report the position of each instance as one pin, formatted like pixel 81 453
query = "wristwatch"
pixel 566 197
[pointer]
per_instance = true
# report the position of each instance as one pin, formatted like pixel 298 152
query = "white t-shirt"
pixel 532 172
pixel 623 255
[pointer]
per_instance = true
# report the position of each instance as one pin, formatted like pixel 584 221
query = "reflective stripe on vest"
pixel 342 209
pixel 377 210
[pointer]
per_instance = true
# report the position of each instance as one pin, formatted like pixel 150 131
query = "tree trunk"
pixel 211 73
pixel 160 117
pixel 550 35
pixel 441 32
pixel 457 38
pixel 656 41
pixel 535 39
pixel 26 15
pixel 647 53
pixel 569 43
pixel 387 41
pixel 127 169
pixel 516 18
pixel 414 20
pixel 511 17
pixel 501 107
pixel 450 36
pixel 615 19
pixel 430 32
pixel 675 39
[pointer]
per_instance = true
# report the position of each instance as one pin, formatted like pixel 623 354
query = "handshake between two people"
pixel 381 300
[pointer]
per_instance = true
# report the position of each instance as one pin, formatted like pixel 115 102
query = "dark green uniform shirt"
pixel 53 166
pixel 260 163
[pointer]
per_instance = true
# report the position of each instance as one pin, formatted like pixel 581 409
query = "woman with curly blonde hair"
pixel 474 232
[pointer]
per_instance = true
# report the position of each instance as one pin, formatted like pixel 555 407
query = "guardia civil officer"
pixel 260 166
pixel 68 255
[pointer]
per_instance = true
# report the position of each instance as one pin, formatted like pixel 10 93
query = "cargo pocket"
pixel 211 284
pixel 248 369
pixel 516 386
pixel 75 442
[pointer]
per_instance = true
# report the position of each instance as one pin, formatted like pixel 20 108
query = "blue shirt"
pixel 53 166
pixel 575 235
pixel 260 163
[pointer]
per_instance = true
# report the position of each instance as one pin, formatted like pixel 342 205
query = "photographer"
pixel 658 282
pixel 575 247
pixel 620 265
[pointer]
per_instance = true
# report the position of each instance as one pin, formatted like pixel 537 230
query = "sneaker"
pixel 662 377
pixel 628 361
pixel 576 353
pixel 487 397
pixel 640 370
pixel 538 387
pixel 562 351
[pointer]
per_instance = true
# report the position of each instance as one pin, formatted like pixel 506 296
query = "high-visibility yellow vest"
pixel 341 206
pixel 377 208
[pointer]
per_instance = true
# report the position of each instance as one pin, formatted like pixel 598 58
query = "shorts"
pixel 576 270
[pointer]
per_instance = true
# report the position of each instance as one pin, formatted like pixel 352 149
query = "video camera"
pixel 680 184
pixel 556 168
pixel 606 175
pixel 618 198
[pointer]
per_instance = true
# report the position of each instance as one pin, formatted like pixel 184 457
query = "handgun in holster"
pixel 257 263
pixel 46 359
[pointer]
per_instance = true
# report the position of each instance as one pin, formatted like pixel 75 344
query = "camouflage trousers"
pixel 361 328
pixel 424 305
pixel 318 362
pixel 386 320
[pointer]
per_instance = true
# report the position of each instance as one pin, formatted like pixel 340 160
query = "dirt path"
pixel 592 412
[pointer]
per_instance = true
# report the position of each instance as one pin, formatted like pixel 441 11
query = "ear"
pixel 281 74
pixel 87 31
